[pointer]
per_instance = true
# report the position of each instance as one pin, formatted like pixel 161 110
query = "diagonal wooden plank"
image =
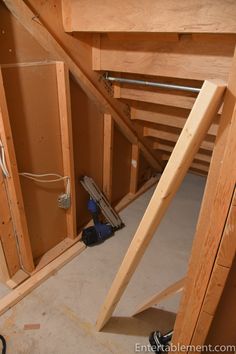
pixel 180 332
pixel 198 123
pixel 200 275
pixel 163 295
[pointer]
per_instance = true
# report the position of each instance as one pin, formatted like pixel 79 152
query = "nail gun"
pixel 98 203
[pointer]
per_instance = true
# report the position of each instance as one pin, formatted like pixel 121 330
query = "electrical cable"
pixel 3 161
pixel 39 178
pixel 4 344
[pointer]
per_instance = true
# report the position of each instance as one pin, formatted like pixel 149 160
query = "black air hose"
pixel 4 344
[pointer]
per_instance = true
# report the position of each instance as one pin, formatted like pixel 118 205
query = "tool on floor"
pixel 4 344
pixel 160 342
pixel 96 204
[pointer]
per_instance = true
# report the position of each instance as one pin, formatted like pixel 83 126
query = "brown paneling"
pixel 87 126
pixel 32 100
pixel 17 44
pixel 122 151
pixel 78 55
pixel 145 171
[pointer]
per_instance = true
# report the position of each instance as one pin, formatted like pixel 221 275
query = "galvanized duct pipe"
pixel 152 84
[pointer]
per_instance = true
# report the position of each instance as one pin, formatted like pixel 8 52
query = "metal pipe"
pixel 152 84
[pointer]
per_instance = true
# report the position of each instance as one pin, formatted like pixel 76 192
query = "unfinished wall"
pixel 31 98
pixel 79 46
pixel 87 126
pixel 121 166
pixel 17 45
pixel 222 331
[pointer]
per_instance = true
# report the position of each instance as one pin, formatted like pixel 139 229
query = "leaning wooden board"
pixel 200 118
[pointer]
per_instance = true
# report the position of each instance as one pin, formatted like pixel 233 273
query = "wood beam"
pixel 159 146
pixel 198 157
pixel 211 222
pixel 4 273
pixel 150 132
pixel 198 123
pixel 96 58
pixel 24 15
pixel 158 16
pixel 192 57
pixel 155 96
pixel 7 232
pixel 134 169
pixel 13 185
pixel 200 166
pixel 220 272
pixel 18 278
pixel 63 88
pixel 171 290
pixel 165 119
pixel 163 98
pixel 108 155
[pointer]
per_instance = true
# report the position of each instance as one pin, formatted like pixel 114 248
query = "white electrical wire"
pixel 40 178
pixel 3 161
pixel 35 177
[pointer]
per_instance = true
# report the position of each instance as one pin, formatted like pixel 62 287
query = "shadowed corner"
pixel 142 324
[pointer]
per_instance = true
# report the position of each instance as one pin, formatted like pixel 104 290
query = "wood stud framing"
pixel 165 119
pixel 4 273
pixel 96 52
pixel 173 137
pixel 141 54
pixel 66 141
pixel 198 123
pixel 218 278
pixel 134 169
pixel 203 271
pixel 24 15
pixel 108 154
pixel 13 185
pixel 7 232
pixel 78 15
pixel 163 295
pixel 218 192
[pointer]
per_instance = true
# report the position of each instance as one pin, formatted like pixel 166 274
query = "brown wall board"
pixel 87 126
pixel 122 151
pixel 32 100
pixel 16 43
pixel 145 171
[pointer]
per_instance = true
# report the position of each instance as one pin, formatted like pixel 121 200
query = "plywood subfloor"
pixel 67 304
